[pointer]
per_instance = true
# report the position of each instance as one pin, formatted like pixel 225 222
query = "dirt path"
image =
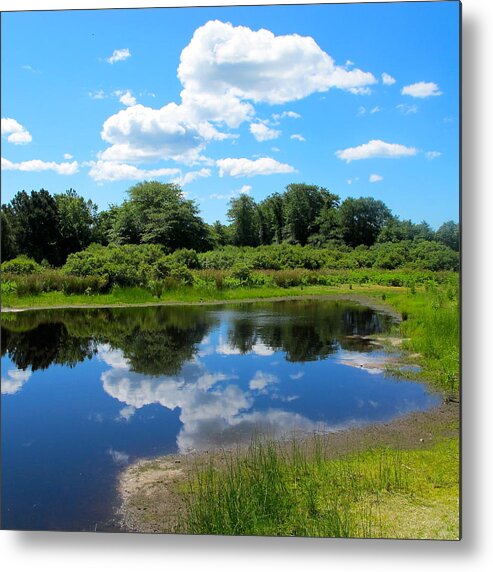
pixel 152 490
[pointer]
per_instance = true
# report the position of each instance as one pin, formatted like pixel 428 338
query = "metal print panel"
pixel 230 270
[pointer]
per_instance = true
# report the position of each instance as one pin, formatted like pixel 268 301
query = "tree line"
pixel 49 227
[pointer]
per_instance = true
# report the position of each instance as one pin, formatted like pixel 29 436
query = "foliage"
pixel 449 234
pixel 361 220
pixel 245 223
pixel 158 213
pixel 21 265
pixel 284 490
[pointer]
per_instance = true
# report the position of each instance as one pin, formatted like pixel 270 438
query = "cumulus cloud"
pixel 191 176
pixel 387 79
pixel 261 380
pixel 119 56
pixel 249 168
pixel 421 89
pixel 374 178
pixel 126 97
pixel 140 133
pixel 15 132
pixel 67 156
pixel 259 66
pixel 14 380
pixel 36 165
pixel 433 154
pixel 375 149
pixel 263 133
pixel 297 137
pixel 226 70
pixel 113 171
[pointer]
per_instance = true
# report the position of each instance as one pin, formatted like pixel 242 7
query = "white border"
pixel 82 552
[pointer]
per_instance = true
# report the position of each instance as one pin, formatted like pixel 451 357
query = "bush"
pixel 242 272
pixel 21 265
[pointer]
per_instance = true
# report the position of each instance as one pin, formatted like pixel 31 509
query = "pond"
pixel 85 392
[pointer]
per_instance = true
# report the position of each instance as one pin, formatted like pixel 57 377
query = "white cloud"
pixel 262 379
pixel 67 156
pixel 387 79
pixel 407 109
pixel 15 132
pixel 140 133
pixel 375 149
pixel 351 181
pixel 119 457
pixel 421 89
pixel 126 97
pixel 224 71
pixel 113 171
pixel 247 168
pixel 14 380
pixel 297 375
pixel 98 94
pixel 36 165
pixel 374 178
pixel 361 90
pixel 191 176
pixel 297 137
pixel 361 111
pixel 433 154
pixel 263 133
pixel 244 190
pixel 376 109
pixel 237 64
pixel 276 117
pixel 119 56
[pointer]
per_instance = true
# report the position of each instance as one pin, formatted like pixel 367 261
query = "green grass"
pixel 271 489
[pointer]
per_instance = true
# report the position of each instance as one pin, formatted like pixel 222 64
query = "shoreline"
pixel 150 490
pixel 360 298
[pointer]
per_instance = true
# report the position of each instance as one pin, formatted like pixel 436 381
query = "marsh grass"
pixel 288 490
pixel 279 490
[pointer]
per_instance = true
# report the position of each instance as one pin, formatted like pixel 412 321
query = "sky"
pixel 362 99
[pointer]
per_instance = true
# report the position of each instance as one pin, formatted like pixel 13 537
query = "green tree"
pixel 302 207
pixel 220 234
pixel 76 221
pixel 449 234
pixel 272 219
pixel 158 213
pixel 395 230
pixel 361 220
pixel 245 223
pixel 9 247
pixel 35 225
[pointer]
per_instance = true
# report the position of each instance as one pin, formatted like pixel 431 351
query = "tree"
pixel 272 219
pixel 220 234
pixel 245 224
pixel 76 221
pixel 449 234
pixel 396 230
pixel 158 213
pixel 302 207
pixel 35 225
pixel 9 247
pixel 361 220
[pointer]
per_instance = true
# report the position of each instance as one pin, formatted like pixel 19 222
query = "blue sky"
pixel 359 98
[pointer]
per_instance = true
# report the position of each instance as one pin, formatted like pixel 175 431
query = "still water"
pixel 85 392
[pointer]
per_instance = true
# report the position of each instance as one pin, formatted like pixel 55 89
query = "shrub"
pixel 242 272
pixel 21 265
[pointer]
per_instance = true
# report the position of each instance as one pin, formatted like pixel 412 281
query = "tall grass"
pixel 278 490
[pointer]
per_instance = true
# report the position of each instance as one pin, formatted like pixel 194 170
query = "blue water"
pixel 84 393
